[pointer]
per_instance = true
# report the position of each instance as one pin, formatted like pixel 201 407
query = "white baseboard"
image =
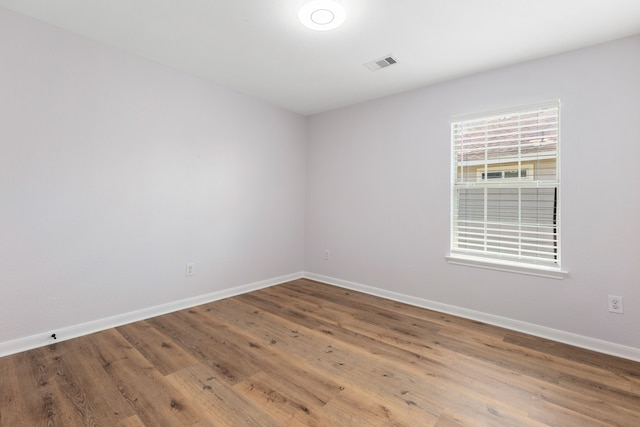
pixel 44 338
pixel 594 344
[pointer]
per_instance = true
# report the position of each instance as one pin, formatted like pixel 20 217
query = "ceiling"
pixel 259 47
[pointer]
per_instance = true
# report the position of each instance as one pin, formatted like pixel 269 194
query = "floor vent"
pixel 383 62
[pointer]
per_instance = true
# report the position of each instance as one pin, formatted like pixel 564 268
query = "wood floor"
pixel 310 354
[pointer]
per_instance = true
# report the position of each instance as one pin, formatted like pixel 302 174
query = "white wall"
pixel 116 171
pixel 378 193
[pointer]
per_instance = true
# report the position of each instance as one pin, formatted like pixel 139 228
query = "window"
pixel 505 190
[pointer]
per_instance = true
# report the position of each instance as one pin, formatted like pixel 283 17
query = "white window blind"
pixel 505 186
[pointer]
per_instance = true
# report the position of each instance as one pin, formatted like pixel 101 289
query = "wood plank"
pixel 287 402
pixel 140 385
pixel 592 366
pixel 152 397
pixel 416 364
pixel 323 352
pixel 161 352
pixel 328 310
pixel 18 395
pixel 36 392
pixel 209 342
pixel 552 415
pixel 357 407
pixel 310 354
pixel 218 402
pixel 133 421
pixel 76 375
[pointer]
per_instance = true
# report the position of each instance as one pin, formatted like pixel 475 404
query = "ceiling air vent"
pixel 383 62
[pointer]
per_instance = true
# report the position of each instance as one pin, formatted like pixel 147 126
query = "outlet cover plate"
pixel 615 304
pixel 189 269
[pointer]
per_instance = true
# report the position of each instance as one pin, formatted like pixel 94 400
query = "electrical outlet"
pixel 325 255
pixel 615 304
pixel 189 269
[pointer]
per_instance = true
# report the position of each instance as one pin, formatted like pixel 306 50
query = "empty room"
pixel 319 213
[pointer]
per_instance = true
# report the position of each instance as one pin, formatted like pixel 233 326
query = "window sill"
pixel 512 267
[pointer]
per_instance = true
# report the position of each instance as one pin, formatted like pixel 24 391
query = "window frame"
pixel 491 261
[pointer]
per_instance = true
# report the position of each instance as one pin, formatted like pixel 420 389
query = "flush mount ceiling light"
pixel 322 15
